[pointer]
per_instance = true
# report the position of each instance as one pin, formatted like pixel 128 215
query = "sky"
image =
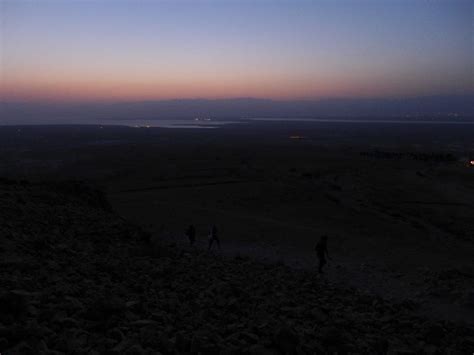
pixel 113 50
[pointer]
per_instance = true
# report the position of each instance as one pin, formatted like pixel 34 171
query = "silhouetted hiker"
pixel 191 234
pixel 213 238
pixel 322 251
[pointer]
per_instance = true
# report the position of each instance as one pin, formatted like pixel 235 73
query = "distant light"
pixel 296 137
pixel 471 162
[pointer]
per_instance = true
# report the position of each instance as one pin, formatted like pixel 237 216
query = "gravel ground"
pixel 76 278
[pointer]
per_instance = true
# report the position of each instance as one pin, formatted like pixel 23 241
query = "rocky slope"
pixel 76 278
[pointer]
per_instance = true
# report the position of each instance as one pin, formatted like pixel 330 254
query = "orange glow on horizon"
pixel 79 51
pixel 75 90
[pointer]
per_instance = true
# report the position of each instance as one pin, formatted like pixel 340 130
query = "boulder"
pixel 433 333
pixel 13 305
pixel 286 340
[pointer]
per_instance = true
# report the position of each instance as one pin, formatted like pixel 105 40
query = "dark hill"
pixel 457 107
pixel 76 278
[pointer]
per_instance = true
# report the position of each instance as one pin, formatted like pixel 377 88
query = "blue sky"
pixel 134 50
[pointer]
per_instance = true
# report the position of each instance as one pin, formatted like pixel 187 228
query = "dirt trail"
pixel 373 277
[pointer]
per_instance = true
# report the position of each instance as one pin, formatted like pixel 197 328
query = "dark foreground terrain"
pixel 394 198
pixel 76 278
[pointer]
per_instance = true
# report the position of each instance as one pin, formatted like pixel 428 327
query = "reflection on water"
pixel 215 123
pixel 138 123
pixel 208 123
pixel 183 123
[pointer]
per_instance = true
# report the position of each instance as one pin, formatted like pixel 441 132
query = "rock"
pixel 249 337
pixel 331 335
pixel 164 343
pixel 380 345
pixel 468 342
pixel 286 340
pixel 132 304
pixel 116 334
pixel 160 317
pixel 32 311
pixel 67 322
pixel 204 342
pixel 121 347
pixel 143 323
pixel 47 332
pixel 3 344
pixel 401 351
pixel 135 350
pixel 104 308
pixel 73 305
pixel 231 350
pixel 182 342
pixel 433 333
pixel 469 298
pixel 259 349
pixel 47 314
pixel 73 341
pixel 430 349
pixel 41 347
pixel 185 303
pixel 13 304
pixel 22 348
pixel 319 315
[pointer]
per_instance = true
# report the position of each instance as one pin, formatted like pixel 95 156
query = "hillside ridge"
pixel 77 278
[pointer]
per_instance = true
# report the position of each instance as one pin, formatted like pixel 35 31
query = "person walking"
pixel 191 234
pixel 322 252
pixel 213 238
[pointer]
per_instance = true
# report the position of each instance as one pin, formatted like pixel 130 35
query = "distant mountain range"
pixel 433 107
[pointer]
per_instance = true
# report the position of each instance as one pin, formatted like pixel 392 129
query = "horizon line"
pixel 237 98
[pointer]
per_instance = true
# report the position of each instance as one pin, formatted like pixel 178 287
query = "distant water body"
pixel 137 123
pixel 216 123
pixel 181 123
